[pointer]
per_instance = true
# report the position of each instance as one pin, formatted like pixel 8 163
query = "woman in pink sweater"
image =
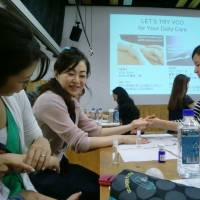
pixel 64 124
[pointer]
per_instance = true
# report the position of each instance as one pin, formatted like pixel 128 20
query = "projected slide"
pixel 148 51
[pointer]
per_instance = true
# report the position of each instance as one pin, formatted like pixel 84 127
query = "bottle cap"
pixel 188 112
pixel 115 142
pixel 161 146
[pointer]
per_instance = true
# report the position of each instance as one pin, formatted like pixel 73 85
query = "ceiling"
pixel 191 4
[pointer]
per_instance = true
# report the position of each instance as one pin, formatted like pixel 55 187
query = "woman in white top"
pixel 19 131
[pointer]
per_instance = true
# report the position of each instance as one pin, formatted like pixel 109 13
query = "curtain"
pixel 50 14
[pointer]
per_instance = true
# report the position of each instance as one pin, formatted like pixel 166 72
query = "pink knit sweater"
pixel 52 114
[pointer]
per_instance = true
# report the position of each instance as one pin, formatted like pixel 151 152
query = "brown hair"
pixel 179 91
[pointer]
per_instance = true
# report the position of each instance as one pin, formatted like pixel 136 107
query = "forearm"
pixel 115 130
pixel 169 125
pixel 98 142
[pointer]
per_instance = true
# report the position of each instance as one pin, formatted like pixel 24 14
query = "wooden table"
pixel 106 167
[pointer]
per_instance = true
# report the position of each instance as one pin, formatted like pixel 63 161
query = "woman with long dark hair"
pixel 171 125
pixel 128 111
pixel 19 132
pixel 179 99
pixel 64 124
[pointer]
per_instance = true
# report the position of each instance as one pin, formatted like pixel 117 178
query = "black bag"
pixel 131 185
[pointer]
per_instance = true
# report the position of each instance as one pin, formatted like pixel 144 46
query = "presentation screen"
pixel 148 51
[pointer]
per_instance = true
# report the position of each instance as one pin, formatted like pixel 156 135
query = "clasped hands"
pixel 38 157
pixel 16 162
pixel 144 123
pixel 38 154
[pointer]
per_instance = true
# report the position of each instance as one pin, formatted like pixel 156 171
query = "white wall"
pixel 97 20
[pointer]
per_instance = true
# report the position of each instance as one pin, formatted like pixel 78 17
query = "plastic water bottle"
pixel 93 113
pixel 188 164
pixel 97 115
pixel 110 115
pixel 100 115
pixel 116 116
pixel 138 138
pixel 115 153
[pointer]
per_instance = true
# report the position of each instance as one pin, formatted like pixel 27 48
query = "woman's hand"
pixel 54 164
pixel 153 122
pixel 74 196
pixel 13 162
pixel 139 124
pixel 39 154
pixel 163 124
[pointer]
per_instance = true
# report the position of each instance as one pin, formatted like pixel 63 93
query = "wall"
pixel 97 27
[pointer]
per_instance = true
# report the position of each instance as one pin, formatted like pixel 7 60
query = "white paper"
pixel 147 152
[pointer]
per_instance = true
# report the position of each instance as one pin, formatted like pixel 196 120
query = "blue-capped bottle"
pixel 188 161
pixel 93 113
pixel 116 116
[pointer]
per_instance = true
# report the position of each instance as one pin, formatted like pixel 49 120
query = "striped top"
pixel 197 111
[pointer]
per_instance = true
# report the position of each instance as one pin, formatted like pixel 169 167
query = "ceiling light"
pixel 127 2
pixel 194 4
pixel 181 3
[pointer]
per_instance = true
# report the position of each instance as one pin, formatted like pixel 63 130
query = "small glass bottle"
pixel 161 153
pixel 110 115
pixel 115 153
pixel 100 115
pixel 116 116
pixel 138 137
pixel 93 113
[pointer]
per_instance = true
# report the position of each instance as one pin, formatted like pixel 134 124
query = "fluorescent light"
pixel 181 3
pixel 71 2
pixel 127 2
pixel 194 4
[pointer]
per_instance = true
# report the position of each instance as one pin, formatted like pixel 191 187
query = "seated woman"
pixel 19 131
pixel 128 111
pixel 62 121
pixel 179 99
pixel 171 125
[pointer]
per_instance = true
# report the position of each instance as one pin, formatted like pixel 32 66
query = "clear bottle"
pixel 97 115
pixel 115 153
pixel 188 164
pixel 100 115
pixel 116 116
pixel 138 137
pixel 110 115
pixel 93 113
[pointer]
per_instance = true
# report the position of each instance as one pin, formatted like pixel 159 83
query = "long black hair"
pixel 19 48
pixel 66 61
pixel 122 96
pixel 126 104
